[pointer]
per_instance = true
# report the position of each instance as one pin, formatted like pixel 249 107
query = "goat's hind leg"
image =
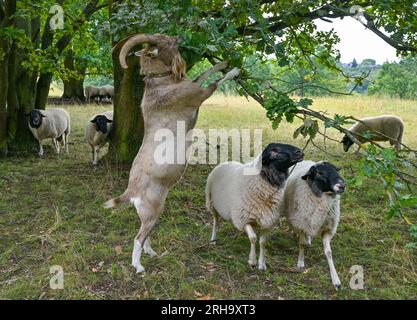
pixel 149 215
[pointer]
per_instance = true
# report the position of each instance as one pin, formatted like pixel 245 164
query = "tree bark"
pixel 74 86
pixel 128 128
pixel 21 89
pixel 7 11
pixel 4 48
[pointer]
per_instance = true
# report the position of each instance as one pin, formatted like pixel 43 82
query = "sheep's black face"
pixel 347 143
pixel 324 177
pixel 101 123
pixel 276 159
pixel 35 118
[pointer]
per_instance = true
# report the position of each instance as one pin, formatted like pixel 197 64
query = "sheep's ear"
pixel 337 168
pixel 27 114
pixel 94 120
pixel 43 116
pixel 109 121
pixel 310 174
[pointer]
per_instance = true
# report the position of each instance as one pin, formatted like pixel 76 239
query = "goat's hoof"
pixel 262 266
pixel 140 269
pixel 252 263
pixel 151 253
pixel 233 73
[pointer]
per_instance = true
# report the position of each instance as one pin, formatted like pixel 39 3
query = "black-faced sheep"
pixel 389 127
pixel 312 206
pixel 97 131
pixel 251 199
pixel 51 123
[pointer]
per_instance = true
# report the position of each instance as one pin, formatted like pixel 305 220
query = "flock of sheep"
pixel 278 182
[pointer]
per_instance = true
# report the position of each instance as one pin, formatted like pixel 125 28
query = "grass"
pixel 51 214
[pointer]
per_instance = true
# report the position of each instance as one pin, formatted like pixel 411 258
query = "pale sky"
pixel 358 42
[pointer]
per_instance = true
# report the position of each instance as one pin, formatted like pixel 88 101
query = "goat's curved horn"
pixel 129 43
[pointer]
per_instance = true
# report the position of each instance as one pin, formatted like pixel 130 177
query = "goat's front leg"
pixel 328 252
pixel 207 92
pixel 252 239
pixel 216 68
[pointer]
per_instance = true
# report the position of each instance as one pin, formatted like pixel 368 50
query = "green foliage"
pixel 397 79
pixel 384 164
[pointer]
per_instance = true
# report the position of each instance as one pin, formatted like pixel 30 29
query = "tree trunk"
pixel 74 87
pixel 4 47
pixel 21 89
pixel 128 128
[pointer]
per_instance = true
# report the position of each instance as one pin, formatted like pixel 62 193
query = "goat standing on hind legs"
pixel 169 98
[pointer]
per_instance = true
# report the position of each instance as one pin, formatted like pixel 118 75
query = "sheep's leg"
pixel 95 155
pixel 215 226
pixel 148 215
pixel 203 77
pixel 262 242
pixel 148 249
pixel 328 252
pixel 66 142
pixel 301 245
pixel 40 148
pixel 56 144
pixel 252 239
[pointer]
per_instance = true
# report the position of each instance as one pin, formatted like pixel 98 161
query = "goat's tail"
pixel 115 201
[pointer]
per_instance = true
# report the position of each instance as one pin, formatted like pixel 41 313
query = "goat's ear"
pixel 179 67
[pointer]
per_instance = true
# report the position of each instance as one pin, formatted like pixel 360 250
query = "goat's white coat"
pixel 55 124
pixel 246 200
pixel 97 139
pixel 310 215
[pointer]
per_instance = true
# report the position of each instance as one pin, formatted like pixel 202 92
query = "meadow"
pixel 51 214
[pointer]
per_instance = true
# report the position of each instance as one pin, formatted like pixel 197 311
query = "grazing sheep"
pixel 92 92
pixel 106 92
pixel 51 123
pixel 391 128
pixel 312 206
pixel 251 200
pixel 169 98
pixel 97 131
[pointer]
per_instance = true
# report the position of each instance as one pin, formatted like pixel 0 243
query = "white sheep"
pixel 51 123
pixel 312 206
pixel 97 131
pixel 250 194
pixel 383 128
